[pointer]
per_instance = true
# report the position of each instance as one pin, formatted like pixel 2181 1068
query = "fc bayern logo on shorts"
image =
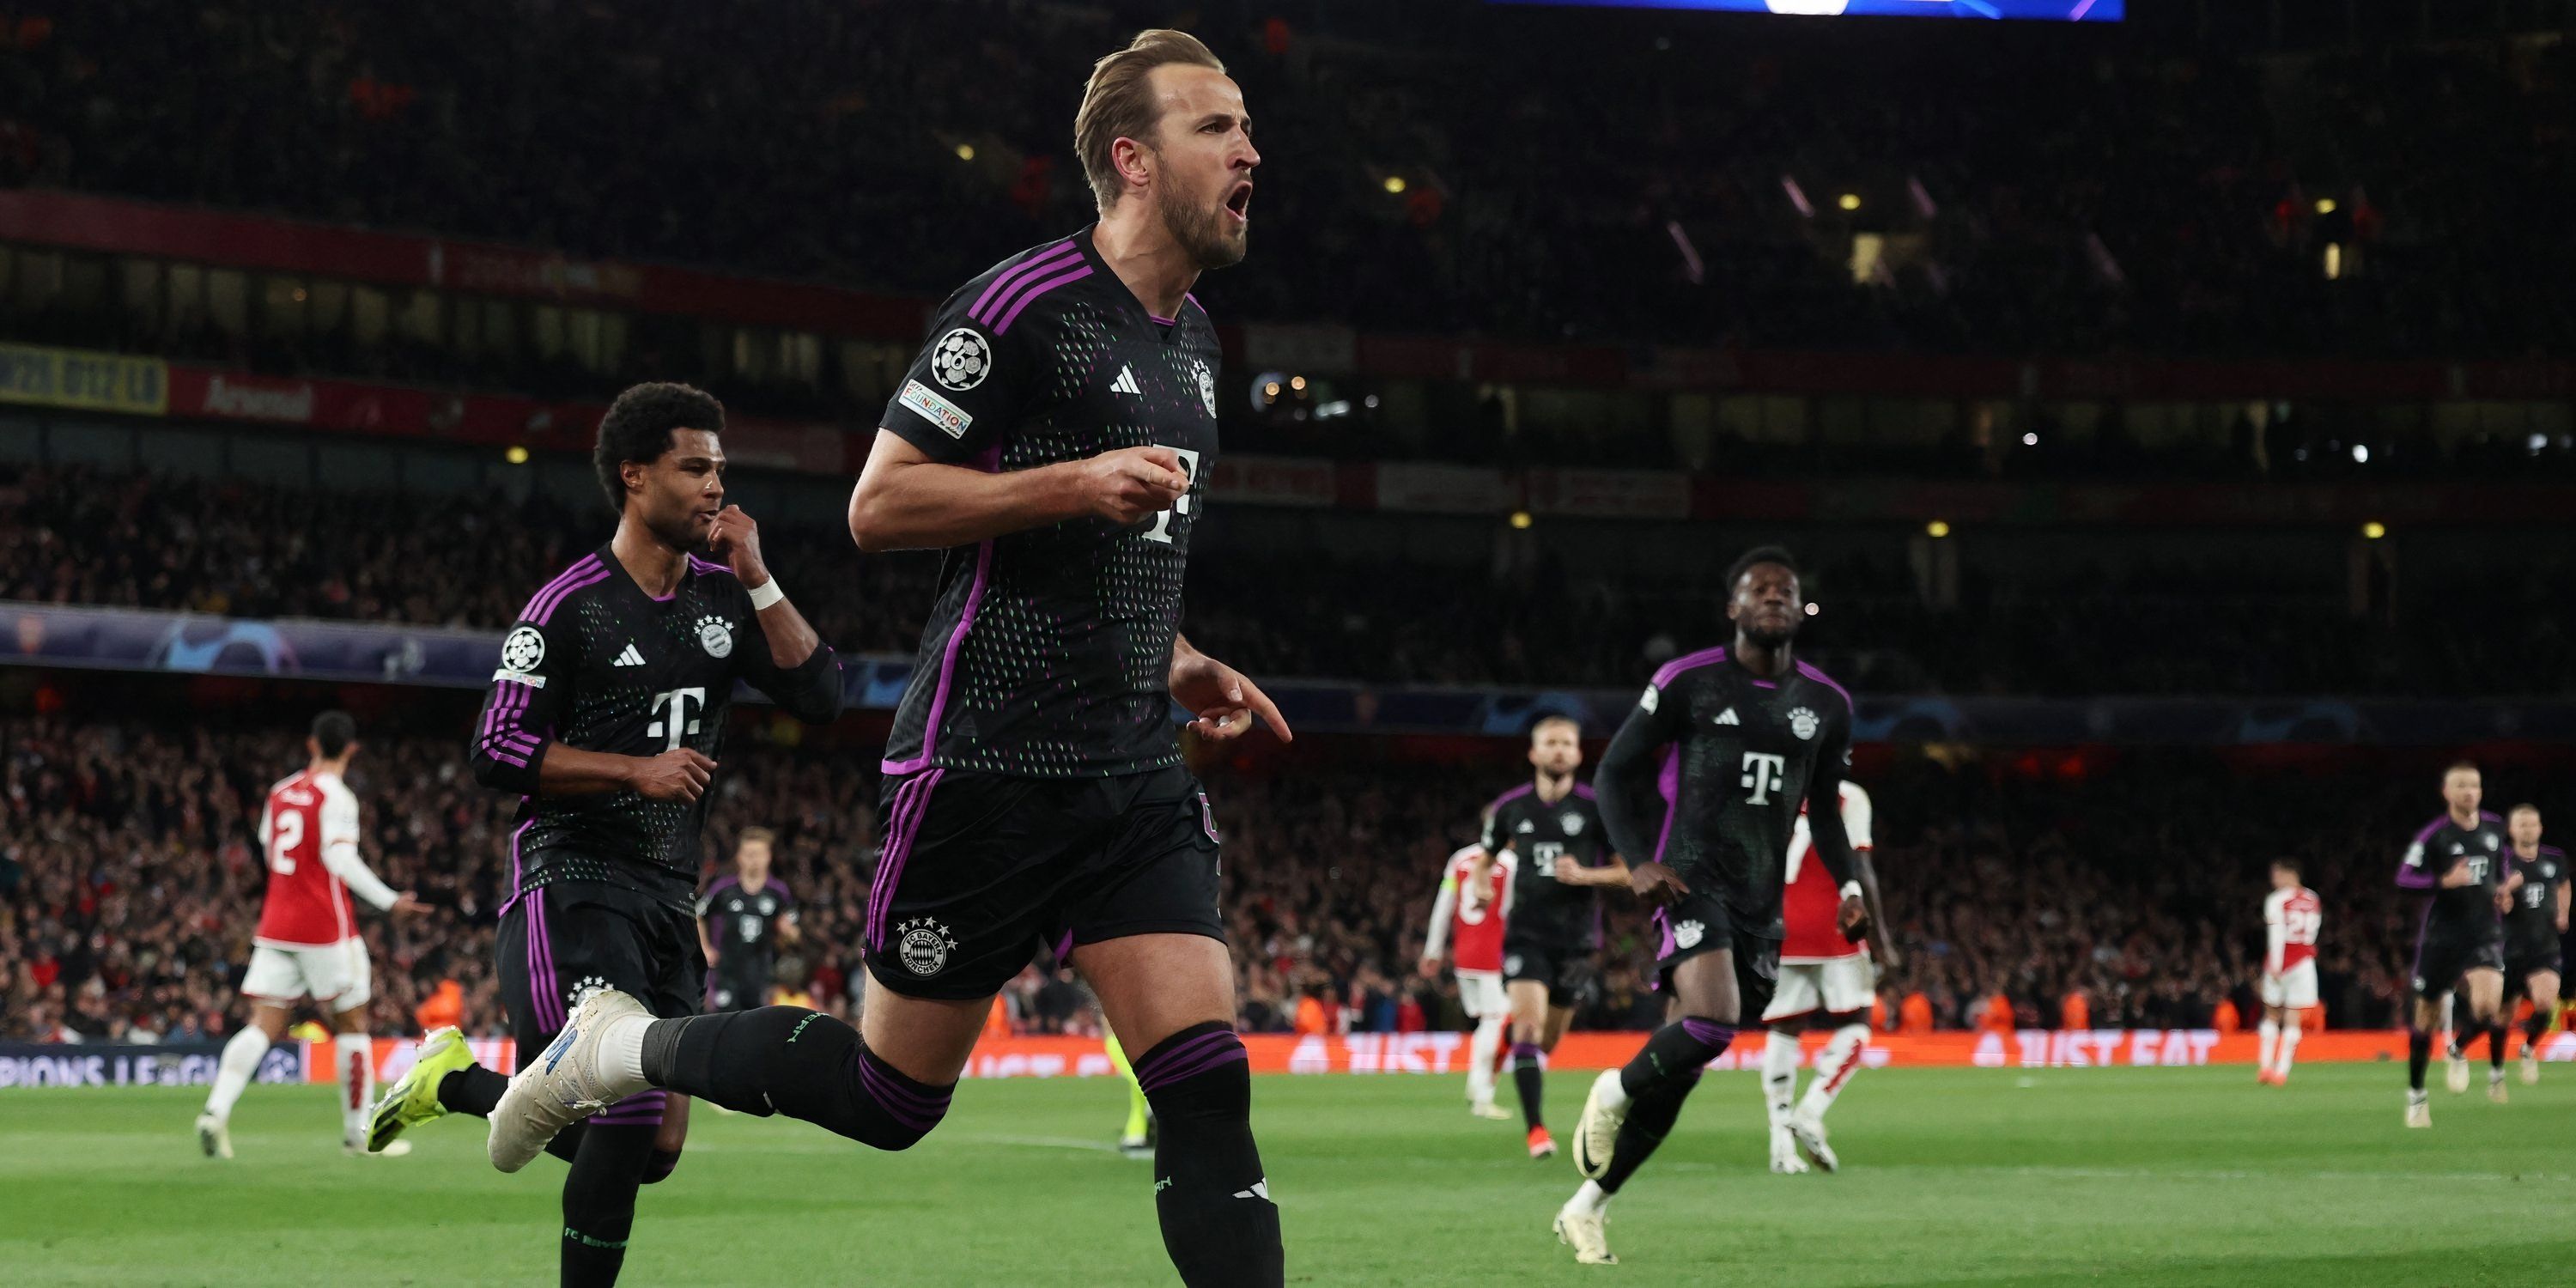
pixel 715 636
pixel 587 985
pixel 524 649
pixel 923 946
pixel 961 359
pixel 1687 934
pixel 1803 722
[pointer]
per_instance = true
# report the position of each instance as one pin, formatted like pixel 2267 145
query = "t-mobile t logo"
pixel 682 719
pixel 1762 773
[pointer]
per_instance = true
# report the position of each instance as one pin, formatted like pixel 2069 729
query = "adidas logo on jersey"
pixel 1125 383
pixel 631 657
pixel 1727 717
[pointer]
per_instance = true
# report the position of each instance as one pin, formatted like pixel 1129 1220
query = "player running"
pixel 607 717
pixel 2458 858
pixel 2535 917
pixel 307 944
pixel 1560 864
pixel 1467 918
pixel 1823 976
pixel 1053 437
pixel 743 920
pixel 2292 915
pixel 1725 746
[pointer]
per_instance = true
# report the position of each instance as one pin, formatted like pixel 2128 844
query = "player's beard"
pixel 1765 638
pixel 1198 228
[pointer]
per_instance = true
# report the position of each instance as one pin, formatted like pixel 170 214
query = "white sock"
pixel 1480 1057
pixel 234 1069
pixel 1834 1069
pixel 1779 1074
pixel 621 1051
pixel 2289 1044
pixel 1588 1201
pixel 2267 1037
pixel 355 1055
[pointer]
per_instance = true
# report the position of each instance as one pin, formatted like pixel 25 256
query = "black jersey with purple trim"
pixel 2437 848
pixel 1545 910
pixel 1048 652
pixel 743 926
pixel 1736 755
pixel 597 664
pixel 2531 921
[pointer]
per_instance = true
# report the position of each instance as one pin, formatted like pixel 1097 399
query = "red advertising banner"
pixel 1446 1052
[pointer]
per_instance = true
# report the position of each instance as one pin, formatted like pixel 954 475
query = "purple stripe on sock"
pixel 1156 1062
pixel 1053 257
pixel 907 1108
pixel 1520 1049
pixel 894 1089
pixel 1225 1055
pixel 1041 288
pixel 1707 1032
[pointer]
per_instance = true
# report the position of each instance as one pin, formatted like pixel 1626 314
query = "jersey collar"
pixel 1165 328
pixel 617 571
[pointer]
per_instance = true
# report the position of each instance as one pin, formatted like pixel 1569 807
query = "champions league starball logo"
pixel 961 359
pixel 524 649
pixel 923 946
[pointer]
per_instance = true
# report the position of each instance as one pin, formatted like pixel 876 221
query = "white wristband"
pixel 766 594
pixel 1851 889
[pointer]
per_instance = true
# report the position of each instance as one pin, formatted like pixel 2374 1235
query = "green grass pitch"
pixel 1969 1177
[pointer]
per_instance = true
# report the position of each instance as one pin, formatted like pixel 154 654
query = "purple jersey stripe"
pixel 1827 681
pixel 543 602
pixel 1510 796
pixel 1584 790
pixel 1041 288
pixel 948 665
pixel 698 565
pixel 542 615
pixel 1010 279
pixel 1194 300
pixel 1669 782
pixel 1688 661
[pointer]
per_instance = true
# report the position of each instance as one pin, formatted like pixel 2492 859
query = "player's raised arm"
pixel 796 668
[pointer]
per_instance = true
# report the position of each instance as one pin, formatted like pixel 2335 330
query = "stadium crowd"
pixel 129 883
pixel 2151 625
pixel 2037 197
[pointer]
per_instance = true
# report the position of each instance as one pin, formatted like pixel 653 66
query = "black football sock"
pixel 2533 1030
pixel 1677 1050
pixel 475 1090
pixel 659 1167
pixel 472 1090
pixel 599 1202
pixel 789 1060
pixel 2419 1052
pixel 2496 1042
pixel 1650 1119
pixel 1219 1224
pixel 1529 1077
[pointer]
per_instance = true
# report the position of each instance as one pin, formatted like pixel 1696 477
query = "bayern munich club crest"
pixel 524 649
pixel 923 945
pixel 715 637
pixel 1207 386
pixel 1688 934
pixel 1803 722
pixel 961 359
